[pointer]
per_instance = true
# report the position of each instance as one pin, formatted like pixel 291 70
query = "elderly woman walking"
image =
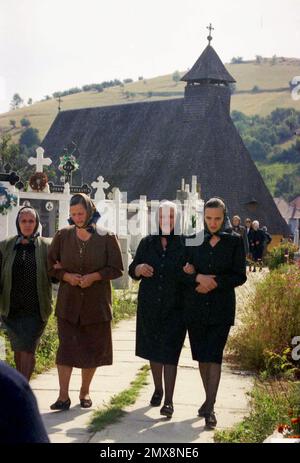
pixel 25 289
pixel 84 258
pixel 160 330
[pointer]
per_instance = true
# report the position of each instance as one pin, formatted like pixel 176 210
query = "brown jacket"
pixel 102 254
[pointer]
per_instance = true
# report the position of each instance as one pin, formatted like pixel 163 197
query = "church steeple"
pixel 206 80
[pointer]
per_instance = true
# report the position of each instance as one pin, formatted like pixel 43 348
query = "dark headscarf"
pixel 35 233
pixel 226 227
pixel 92 214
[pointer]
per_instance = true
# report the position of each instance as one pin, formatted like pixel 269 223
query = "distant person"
pixel 20 420
pixel 256 239
pixel 268 239
pixel 25 289
pixel 237 227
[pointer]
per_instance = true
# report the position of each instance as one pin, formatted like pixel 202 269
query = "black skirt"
pixel 24 331
pixel 160 339
pixel 208 342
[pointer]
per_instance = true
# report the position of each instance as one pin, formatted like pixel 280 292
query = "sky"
pixel 53 45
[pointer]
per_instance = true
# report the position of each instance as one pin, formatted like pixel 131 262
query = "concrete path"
pixel 141 422
pixel 70 426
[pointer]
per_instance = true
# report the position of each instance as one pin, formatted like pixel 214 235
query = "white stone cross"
pixel 100 185
pixel 39 161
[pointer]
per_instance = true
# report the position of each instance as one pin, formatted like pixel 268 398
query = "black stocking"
pixel 156 369
pixel 170 372
pixel 210 374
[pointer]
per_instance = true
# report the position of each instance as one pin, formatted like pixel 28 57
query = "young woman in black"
pixel 209 303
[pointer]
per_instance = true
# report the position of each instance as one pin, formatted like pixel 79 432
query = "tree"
pixel 13 123
pixel 274 60
pixel 29 102
pixel 30 138
pixel 237 60
pixel 259 59
pixel 256 148
pixel 16 101
pixel 232 87
pixel 127 81
pixel 176 77
pixel 9 152
pixel 141 78
pixel 25 122
pixel 255 89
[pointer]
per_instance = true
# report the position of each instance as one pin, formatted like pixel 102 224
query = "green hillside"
pixel 272 82
pixel 260 89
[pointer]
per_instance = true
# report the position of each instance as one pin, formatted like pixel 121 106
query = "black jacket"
pixel 162 291
pixel 227 261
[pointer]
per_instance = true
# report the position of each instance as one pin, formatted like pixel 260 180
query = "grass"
pixel 124 305
pixel 265 76
pixel 271 173
pixel 114 410
pixel 269 406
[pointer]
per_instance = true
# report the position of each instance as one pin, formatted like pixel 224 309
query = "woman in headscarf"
pixel 160 330
pixel 25 288
pixel 209 305
pixel 84 258
pixel 257 239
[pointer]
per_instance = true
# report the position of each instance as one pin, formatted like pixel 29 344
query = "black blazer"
pixel 227 261
pixel 163 290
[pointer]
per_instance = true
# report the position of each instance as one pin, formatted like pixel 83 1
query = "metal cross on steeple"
pixel 210 28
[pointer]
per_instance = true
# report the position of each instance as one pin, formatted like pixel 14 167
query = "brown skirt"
pixel 84 346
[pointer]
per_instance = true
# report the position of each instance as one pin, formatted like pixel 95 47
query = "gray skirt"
pixel 24 331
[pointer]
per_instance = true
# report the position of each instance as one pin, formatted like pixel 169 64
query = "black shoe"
pixel 210 420
pixel 167 410
pixel 60 405
pixel 156 399
pixel 202 411
pixel 86 403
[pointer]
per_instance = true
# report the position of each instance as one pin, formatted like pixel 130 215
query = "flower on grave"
pixel 291 430
pixel 7 200
pixel 68 158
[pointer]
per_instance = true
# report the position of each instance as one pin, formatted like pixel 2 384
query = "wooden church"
pixel 147 148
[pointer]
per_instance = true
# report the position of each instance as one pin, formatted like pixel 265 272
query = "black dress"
pixel 24 324
pixel 160 328
pixel 256 242
pixel 210 316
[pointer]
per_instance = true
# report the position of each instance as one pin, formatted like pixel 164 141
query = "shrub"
pixel 269 406
pixel 280 254
pixel 124 306
pixel 270 321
